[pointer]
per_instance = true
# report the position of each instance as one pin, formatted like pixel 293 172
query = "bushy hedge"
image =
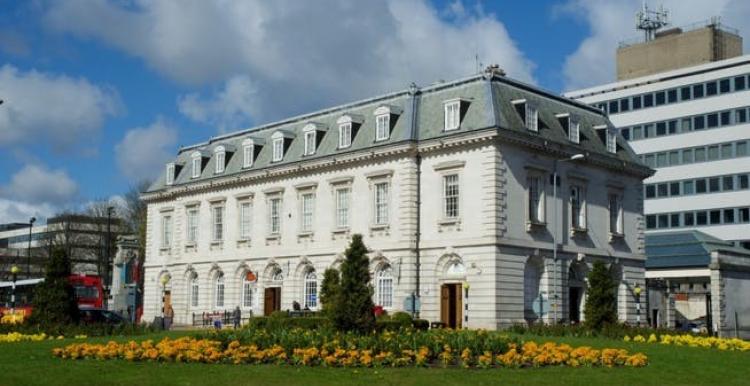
pixel 282 320
pixel 614 331
pixel 98 329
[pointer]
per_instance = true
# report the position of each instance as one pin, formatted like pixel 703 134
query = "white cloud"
pixel 143 151
pixel 297 55
pixel 228 109
pixel 36 191
pixel 62 112
pixel 612 21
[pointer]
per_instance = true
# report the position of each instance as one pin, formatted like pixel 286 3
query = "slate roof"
pixel 421 118
pixel 684 249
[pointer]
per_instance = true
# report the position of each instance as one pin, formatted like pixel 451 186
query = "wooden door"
pixel 451 305
pixel 445 304
pixel 271 300
pixel 166 301
pixel 458 305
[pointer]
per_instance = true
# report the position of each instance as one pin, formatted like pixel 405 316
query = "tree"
pixel 353 310
pixel 54 300
pixel 330 290
pixel 601 302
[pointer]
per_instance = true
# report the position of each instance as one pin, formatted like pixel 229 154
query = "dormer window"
pixel 170 174
pixel 384 121
pixel 220 155
pixel 348 125
pixel 529 114
pixel 311 137
pixel 310 142
pixel 280 140
pixel 571 126
pixel 454 110
pixel 197 163
pixel 612 141
pixel 250 149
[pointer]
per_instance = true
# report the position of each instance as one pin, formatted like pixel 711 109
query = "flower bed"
pixel 12 337
pixel 444 348
pixel 723 344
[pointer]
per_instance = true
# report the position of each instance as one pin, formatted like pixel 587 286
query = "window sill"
pixel 535 225
pixel 578 231
pixel 379 227
pixel 273 237
pixel 449 221
pixel 165 250
pixel 341 230
pixel 614 237
pixel 243 242
pixel 305 235
pixel 217 245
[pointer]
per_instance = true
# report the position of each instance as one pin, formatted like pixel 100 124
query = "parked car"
pixel 100 315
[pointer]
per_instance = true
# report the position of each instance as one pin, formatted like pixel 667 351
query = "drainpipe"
pixel 418 233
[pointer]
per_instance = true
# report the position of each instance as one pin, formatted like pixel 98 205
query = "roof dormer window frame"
pixel 196 161
pixel 571 124
pixel 311 138
pixel 385 116
pixel 529 113
pixel 220 155
pixel 348 125
pixel 453 112
pixel 608 135
pixel 170 177
pixel 250 148
pixel 279 143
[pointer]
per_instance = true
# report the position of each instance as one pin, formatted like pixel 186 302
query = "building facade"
pixel 450 185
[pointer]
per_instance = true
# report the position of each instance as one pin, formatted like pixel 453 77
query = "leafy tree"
pixel 353 310
pixel 330 290
pixel 54 300
pixel 601 302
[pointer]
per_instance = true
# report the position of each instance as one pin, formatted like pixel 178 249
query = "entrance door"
pixel 271 300
pixel 574 302
pixel 451 305
pixel 166 301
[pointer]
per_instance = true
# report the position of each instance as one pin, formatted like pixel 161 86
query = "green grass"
pixel 31 363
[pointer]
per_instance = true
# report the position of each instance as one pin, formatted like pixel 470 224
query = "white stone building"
pixel 450 186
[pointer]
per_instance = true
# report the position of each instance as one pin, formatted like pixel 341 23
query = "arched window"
pixel 456 269
pixel 219 300
pixel 194 289
pixel 385 287
pixel 311 290
pixel 278 276
pixel 248 289
pixel 534 305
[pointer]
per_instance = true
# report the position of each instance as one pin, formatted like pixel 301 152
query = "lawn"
pixel 31 363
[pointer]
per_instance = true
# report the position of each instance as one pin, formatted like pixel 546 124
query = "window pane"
pixel 687 156
pixel 725 115
pixel 740 116
pixel 697 91
pixel 685 93
pixel 614 107
pixel 674 158
pixel 672 96
pixel 662 190
pixel 689 219
pixel 701 218
pixel 450 192
pixel 650 191
pixel 742 181
pixel 700 186
pixel 648 100
pixel 739 83
pixel 715 217
pixel 713 120
pixel 672 127
pixel 624 104
pixel 686 125
pixel 674 189
pixel 726 151
pixel 724 86
pixel 700 154
pixel 728 216
pixel 713 153
pixel 636 102
pixel 741 149
pixel 663 221
pixel 744 215
pixel 688 187
pixel 660 98
pixel 661 128
pixel 727 183
pixel 650 222
pixel 713 184
pixel 711 88
pixel 674 220
pixel 699 122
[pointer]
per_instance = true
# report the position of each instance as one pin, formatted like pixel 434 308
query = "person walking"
pixel 168 316
pixel 237 317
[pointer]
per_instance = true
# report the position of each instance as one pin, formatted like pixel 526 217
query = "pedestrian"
pixel 237 317
pixel 168 316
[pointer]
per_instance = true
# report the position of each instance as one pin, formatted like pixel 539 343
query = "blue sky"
pixel 99 94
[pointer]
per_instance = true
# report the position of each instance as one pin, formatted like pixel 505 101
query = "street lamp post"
pixel 574 157
pixel 28 250
pixel 14 271
pixel 108 255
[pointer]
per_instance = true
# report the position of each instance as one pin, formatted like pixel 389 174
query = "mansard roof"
pixel 416 115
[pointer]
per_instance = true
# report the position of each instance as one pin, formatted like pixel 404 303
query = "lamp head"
pixel 576 157
pixel 32 220
pixel 14 269
pixel 637 290
pixel 164 280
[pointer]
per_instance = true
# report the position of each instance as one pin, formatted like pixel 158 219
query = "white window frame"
pixel 166 230
pixel 452 115
pixel 194 291
pixel 219 291
pixel 384 287
pixel 540 208
pixel 345 135
pixel 197 161
pixel 611 141
pixel 342 206
pixel 382 127
pixel 616 221
pixel 577 221
pixel 381 202
pixel 247 292
pixel 278 149
pixel 170 174
pixel 532 117
pixel 310 292
pixel 574 130
pixel 192 224
pixel 275 209
pixel 220 156
pixel 306 211
pixel 247 155
pixel 245 219
pixel 456 198
pixel 217 223
pixel 310 144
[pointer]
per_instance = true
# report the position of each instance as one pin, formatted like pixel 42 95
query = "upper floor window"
pixel 577 207
pixel 616 224
pixel 170 174
pixel 535 191
pixel 381 203
pixel 166 231
pixel 192 225
pixel 279 142
pixel 345 135
pixel 574 132
pixel 278 149
pixel 310 142
pixel 450 196
pixel 307 209
pixel 384 287
pixel 217 220
pixel 250 148
pixel 528 112
pixel 197 163
pixel 220 159
pixel 452 115
pixel 384 120
pixel 342 197
pixel 612 141
pixel 274 215
pixel 245 209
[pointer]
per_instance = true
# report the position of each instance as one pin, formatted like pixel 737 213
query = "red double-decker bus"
pixel 88 290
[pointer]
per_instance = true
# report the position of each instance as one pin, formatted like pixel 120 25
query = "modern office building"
pixel 690 122
pixel 450 185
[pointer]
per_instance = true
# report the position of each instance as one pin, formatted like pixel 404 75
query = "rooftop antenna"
pixel 650 21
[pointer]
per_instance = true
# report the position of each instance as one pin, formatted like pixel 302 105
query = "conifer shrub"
pixel 601 301
pixel 54 303
pixel 353 309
